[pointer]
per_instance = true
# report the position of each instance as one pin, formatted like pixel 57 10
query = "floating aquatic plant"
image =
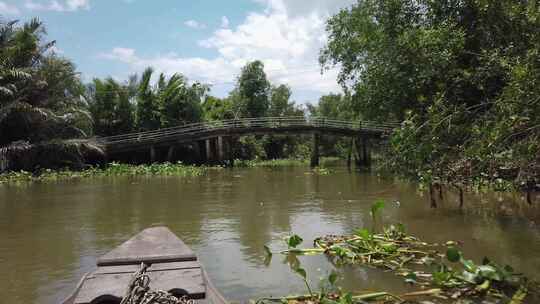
pixel 440 270
pixel 113 169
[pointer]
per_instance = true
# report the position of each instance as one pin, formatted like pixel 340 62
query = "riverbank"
pixel 162 169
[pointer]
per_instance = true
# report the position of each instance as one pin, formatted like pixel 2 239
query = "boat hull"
pixel 171 267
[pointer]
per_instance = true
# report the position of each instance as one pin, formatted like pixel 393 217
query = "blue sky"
pixel 206 40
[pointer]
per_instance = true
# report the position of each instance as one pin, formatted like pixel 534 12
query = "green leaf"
pixel 440 278
pixel 332 278
pixel 346 299
pixel 364 234
pixel 389 247
pixel 484 286
pixel 294 240
pixel 489 272
pixel 400 228
pixel 469 277
pixel 509 269
pixel 453 255
pixel 377 207
pixel 469 265
pixel 411 278
pixel 519 296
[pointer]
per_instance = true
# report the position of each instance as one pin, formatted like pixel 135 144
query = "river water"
pixel 51 234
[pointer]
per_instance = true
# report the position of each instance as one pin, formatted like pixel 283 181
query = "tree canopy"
pixel 458 73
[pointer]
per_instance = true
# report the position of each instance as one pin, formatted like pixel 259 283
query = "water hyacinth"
pixel 272 163
pixel 113 169
pixel 440 271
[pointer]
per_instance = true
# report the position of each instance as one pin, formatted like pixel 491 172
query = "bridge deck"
pixel 268 125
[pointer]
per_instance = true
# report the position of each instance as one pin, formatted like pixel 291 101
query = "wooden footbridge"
pixel 217 137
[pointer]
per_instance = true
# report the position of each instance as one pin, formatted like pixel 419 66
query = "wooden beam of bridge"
pixel 249 126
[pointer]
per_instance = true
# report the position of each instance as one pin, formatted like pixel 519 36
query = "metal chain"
pixel 139 291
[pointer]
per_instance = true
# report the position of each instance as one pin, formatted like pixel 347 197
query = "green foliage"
pixel 111 107
pixel 40 93
pixel 419 263
pixel 293 241
pixel 253 90
pixel 273 163
pixel 140 106
pixel 364 234
pixel 332 278
pixel 215 109
pixel 453 255
pixel 147 104
pixel 461 75
pixel 111 170
pixel 180 103
pixel 376 208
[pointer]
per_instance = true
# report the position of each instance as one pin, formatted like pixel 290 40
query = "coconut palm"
pixel 40 93
pixel 170 102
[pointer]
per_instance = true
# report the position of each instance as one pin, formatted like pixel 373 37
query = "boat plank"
pixel 179 281
pixel 153 245
pixel 154 267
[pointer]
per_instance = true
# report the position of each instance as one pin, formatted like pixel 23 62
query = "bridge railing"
pixel 251 123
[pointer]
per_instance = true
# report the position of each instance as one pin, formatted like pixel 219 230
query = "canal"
pixel 51 234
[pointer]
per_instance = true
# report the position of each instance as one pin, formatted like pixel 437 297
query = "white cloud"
pixel 7 9
pixel 298 7
pixel 195 25
pixel 58 6
pixel 225 21
pixel 287 43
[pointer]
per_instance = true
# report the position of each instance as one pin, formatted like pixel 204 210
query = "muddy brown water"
pixel 52 233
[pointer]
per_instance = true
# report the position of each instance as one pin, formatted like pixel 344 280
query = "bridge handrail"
pixel 264 122
pixel 252 123
pixel 204 123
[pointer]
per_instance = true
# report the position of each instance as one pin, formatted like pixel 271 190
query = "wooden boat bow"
pixel 172 267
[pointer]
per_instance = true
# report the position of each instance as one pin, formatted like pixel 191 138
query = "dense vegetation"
pixel 463 76
pixel 40 102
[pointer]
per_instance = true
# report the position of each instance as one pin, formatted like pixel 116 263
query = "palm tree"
pixel 170 102
pixel 40 93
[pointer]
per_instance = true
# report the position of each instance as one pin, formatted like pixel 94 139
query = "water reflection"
pixel 51 234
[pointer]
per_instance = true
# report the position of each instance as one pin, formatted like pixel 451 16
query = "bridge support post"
pixel 349 154
pixel 152 154
pixel 315 150
pixel 221 154
pixel 363 152
pixel 230 150
pixel 208 150
pixel 197 150
pixel 201 150
pixel 170 154
pixel 366 152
